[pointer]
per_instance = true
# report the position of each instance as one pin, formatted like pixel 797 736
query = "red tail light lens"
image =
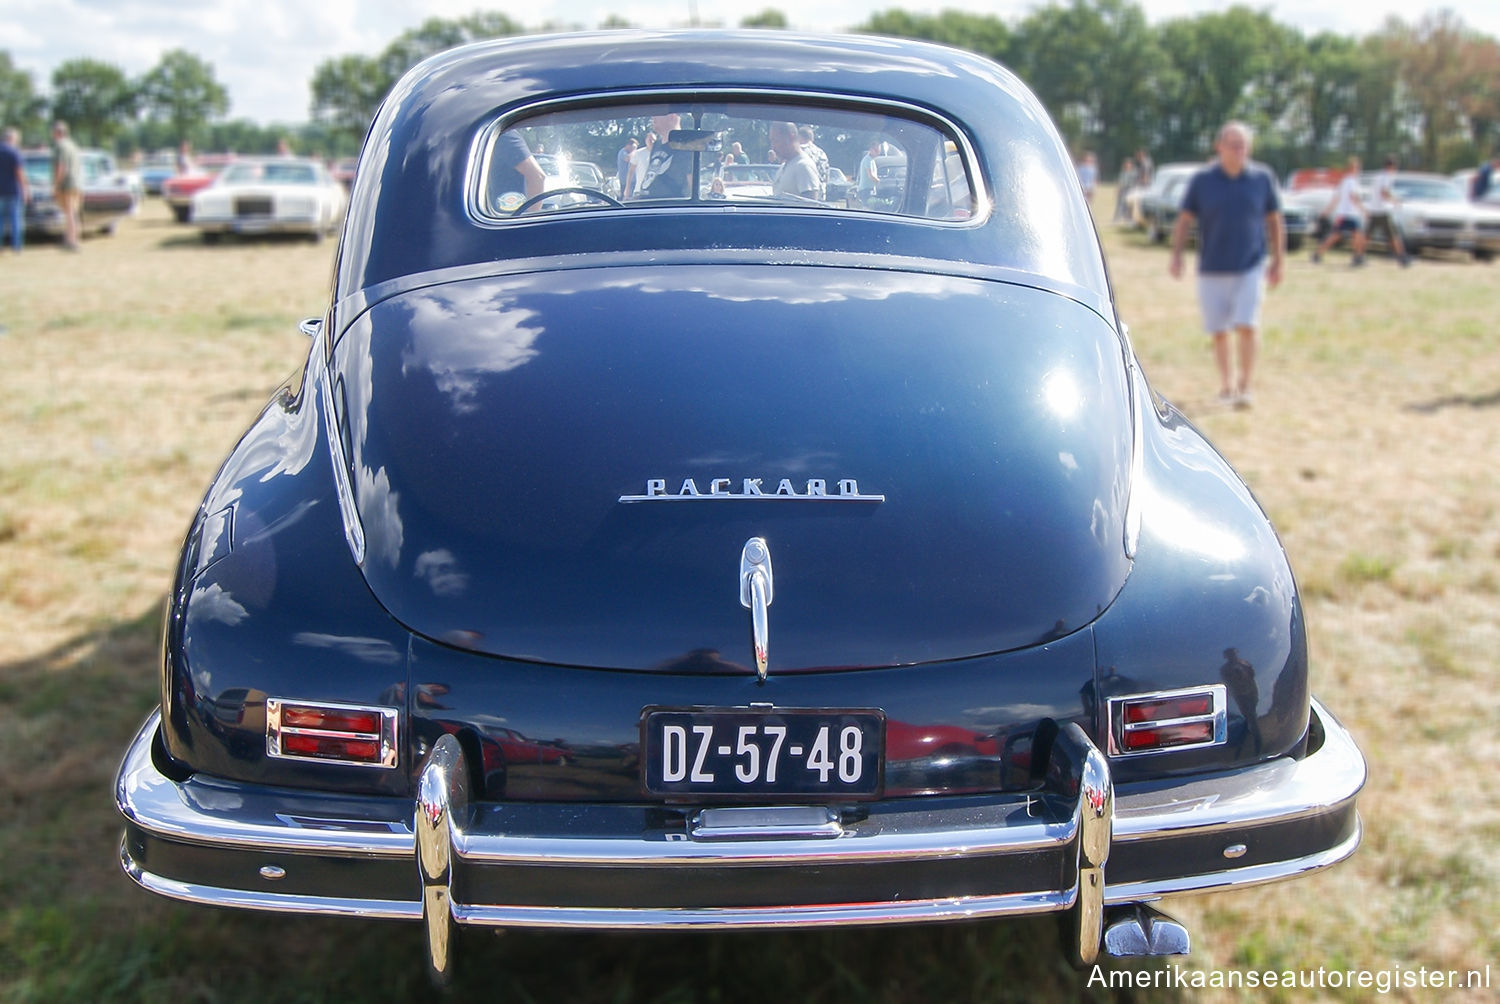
pixel 1169 720
pixel 333 733
pixel 1166 709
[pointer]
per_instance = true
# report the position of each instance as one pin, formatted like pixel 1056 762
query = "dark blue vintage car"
pixel 687 560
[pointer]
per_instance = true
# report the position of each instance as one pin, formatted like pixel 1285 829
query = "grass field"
pixel 128 370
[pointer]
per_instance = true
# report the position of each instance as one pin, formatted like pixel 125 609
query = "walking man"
pixel 67 183
pixel 12 189
pixel 1237 208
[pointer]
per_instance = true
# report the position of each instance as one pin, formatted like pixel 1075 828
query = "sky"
pixel 265 51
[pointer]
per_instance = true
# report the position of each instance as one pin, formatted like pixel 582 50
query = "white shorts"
pixel 1231 299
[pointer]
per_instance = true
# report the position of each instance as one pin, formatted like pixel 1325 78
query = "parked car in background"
pixel 343 171
pixel 840 187
pixel 270 195
pixel 178 190
pixel 585 174
pixel 156 169
pixel 1161 201
pixel 747 181
pixel 823 563
pixel 108 194
pixel 1434 211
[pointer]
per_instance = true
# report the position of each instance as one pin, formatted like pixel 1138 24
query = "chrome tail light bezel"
pixel 384 736
pixel 1217 718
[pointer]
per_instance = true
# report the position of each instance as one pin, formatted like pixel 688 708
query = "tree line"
pixel 1427 92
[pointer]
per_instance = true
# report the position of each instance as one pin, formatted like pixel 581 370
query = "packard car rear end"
pixel 709 560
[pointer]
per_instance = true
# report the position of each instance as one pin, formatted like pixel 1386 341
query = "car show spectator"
pixel 1128 180
pixel 1088 175
pixel 1382 204
pixel 12 190
pixel 1484 178
pixel 67 182
pixel 819 158
pixel 1346 212
pixel 1237 208
pixel 798 175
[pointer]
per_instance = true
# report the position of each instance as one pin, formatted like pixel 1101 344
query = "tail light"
pixel 1167 720
pixel 333 733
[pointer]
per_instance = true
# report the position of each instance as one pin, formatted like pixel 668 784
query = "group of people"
pixel 67 187
pixel 1360 217
pixel 649 169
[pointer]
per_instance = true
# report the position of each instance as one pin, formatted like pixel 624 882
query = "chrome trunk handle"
pixel 756 591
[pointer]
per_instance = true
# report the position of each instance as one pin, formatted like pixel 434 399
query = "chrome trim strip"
pixel 386 736
pixel 1279 790
pixel 206 895
pixel 1218 716
pixel 748 822
pixel 354 528
pixel 1236 878
pixel 843 914
pixel 236 816
pixel 475 173
pixel 852 848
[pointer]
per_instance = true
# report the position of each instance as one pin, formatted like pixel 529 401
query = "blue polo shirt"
pixel 10 164
pixel 1231 216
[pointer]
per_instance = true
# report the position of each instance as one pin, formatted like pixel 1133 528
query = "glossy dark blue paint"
pixel 497 401
pixel 495 424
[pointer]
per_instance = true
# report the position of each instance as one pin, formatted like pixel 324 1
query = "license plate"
pixel 802 754
pixel 254 226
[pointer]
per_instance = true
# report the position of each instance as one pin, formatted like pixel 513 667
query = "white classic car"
pixel 271 195
pixel 1432 211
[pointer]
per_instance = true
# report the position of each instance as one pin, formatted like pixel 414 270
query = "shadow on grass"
pixel 192 240
pixel 1475 401
pixel 74 928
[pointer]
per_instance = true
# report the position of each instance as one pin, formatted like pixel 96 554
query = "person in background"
pixel 513 155
pixel 869 171
pixel 1484 178
pixel 1382 203
pixel 1143 167
pixel 819 158
pixel 12 190
pixel 1346 211
pixel 1088 176
pixel 67 183
pixel 668 173
pixel 798 176
pixel 637 169
pixel 1237 208
pixel 1127 181
pixel 622 160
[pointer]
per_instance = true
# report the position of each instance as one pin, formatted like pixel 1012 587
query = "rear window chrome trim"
pixel 475 171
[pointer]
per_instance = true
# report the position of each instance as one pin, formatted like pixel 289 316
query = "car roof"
pixel 416 153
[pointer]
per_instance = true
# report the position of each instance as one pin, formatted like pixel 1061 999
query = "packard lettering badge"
pixel 752 489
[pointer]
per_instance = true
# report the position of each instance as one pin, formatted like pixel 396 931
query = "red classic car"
pixel 180 189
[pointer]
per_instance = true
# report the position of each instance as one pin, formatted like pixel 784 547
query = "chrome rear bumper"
pixel 452 861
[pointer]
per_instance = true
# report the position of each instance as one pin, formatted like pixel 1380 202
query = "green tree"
pixel 982 33
pixel 768 18
pixel 347 90
pixel 1095 65
pixel 182 92
pixel 96 99
pixel 19 104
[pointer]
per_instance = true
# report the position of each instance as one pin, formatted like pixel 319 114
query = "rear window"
pixel 719 152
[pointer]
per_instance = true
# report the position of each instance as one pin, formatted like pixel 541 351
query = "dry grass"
pixel 129 369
